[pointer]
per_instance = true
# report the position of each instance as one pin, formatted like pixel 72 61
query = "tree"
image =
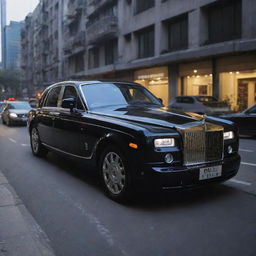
pixel 9 83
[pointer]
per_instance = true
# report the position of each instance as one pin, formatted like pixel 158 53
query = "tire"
pixel 37 147
pixel 115 174
pixel 3 122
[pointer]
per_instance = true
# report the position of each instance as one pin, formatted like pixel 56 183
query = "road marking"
pixel 250 164
pixel 12 140
pixel 246 150
pixel 25 145
pixel 241 182
pixel 101 228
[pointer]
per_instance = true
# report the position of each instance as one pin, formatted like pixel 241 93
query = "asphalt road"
pixel 66 200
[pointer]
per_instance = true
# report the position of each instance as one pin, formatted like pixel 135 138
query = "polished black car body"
pixel 246 121
pixel 15 112
pixel 136 142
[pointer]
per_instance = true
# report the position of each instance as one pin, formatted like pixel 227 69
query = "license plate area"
pixel 210 172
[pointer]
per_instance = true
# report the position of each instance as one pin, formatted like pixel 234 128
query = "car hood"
pixel 19 111
pixel 166 117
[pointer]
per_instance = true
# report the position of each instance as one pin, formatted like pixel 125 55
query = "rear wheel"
pixel 115 174
pixel 37 147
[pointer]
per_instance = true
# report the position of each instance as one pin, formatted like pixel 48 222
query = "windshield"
pixel 113 94
pixel 20 105
pixel 206 99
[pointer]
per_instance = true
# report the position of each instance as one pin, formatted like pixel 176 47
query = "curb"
pixel 19 232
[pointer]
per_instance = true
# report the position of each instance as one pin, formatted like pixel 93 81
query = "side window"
pixel 252 110
pixel 186 100
pixel 52 99
pixel 70 92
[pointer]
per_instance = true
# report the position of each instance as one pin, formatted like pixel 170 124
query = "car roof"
pixel 15 101
pixel 85 82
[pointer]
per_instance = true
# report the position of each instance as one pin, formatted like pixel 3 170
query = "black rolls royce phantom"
pixel 132 138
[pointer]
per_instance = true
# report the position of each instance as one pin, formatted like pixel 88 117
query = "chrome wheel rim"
pixel 113 173
pixel 35 140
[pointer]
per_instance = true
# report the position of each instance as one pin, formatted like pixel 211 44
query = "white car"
pixel 200 104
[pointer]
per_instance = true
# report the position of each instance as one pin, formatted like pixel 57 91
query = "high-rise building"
pixel 12 45
pixel 2 24
pixel 200 47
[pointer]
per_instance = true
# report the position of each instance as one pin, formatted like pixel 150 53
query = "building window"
pixel 178 33
pixel 110 48
pixel 224 21
pixel 94 58
pixel 146 42
pixel 142 5
pixel 79 62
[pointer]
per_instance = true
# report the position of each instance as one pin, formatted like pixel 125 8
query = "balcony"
pixel 74 9
pixel 94 5
pixel 79 39
pixel 74 43
pixel 105 28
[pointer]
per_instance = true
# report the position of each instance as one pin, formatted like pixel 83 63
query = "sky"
pixel 17 10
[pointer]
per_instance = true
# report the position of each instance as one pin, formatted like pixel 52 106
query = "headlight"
pixel 166 142
pixel 13 115
pixel 228 135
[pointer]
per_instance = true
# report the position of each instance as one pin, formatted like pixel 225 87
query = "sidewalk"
pixel 19 232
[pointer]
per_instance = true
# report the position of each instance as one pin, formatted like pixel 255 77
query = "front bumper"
pixel 184 177
pixel 19 120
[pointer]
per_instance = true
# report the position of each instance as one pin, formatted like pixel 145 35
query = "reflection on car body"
pixel 200 104
pixel 133 140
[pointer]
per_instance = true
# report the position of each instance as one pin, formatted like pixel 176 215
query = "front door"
pixel 68 124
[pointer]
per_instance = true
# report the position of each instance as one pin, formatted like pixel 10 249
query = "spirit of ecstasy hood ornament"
pixel 203 119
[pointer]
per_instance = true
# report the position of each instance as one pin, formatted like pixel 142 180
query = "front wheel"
pixel 115 174
pixel 37 148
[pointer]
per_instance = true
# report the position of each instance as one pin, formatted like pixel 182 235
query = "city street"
pixel 66 200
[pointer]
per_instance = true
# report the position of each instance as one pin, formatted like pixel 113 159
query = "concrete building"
pixel 201 47
pixel 12 45
pixel 2 24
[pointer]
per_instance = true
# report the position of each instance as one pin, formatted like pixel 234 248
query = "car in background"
pixel 246 120
pixel 200 104
pixel 15 112
pixel 1 106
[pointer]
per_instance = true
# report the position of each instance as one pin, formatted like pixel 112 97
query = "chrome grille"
pixel 214 146
pixel 202 143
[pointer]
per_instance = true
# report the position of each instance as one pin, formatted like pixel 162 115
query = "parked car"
pixel 245 120
pixel 200 104
pixel 134 141
pixel 15 112
pixel 1 107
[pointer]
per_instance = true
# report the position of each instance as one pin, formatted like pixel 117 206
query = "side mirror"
pixel 69 103
pixel 161 100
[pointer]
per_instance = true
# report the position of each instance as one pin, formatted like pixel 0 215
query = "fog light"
pixel 168 158
pixel 230 150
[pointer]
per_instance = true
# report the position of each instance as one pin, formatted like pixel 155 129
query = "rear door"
pixel 47 115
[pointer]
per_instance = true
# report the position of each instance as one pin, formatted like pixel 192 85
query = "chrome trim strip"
pixel 59 150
